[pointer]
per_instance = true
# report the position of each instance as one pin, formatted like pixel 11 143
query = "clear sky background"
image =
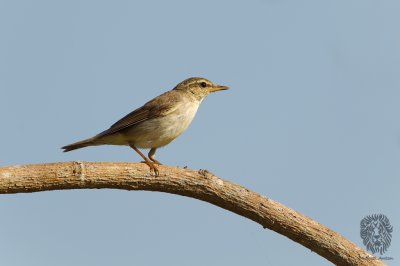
pixel 311 120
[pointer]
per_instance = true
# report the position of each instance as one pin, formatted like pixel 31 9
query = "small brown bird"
pixel 156 123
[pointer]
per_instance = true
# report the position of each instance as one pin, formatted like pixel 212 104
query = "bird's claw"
pixel 153 168
pixel 157 162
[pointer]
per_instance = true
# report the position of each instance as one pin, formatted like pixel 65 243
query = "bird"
pixel 157 123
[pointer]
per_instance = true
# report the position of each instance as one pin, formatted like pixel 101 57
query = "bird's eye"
pixel 203 84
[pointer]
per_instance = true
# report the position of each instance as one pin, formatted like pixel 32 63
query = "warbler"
pixel 157 123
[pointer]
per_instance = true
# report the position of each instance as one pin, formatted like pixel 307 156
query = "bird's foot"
pixel 156 162
pixel 153 168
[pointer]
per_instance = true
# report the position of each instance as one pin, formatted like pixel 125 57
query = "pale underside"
pixel 155 132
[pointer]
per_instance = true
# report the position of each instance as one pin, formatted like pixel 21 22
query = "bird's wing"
pixel 159 106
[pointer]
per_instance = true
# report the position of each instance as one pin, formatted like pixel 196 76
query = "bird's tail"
pixel 79 144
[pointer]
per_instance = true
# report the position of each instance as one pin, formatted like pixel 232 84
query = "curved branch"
pixel 201 185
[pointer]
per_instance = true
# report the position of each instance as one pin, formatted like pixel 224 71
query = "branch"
pixel 201 185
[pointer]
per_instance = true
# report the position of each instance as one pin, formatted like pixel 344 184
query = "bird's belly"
pixel 158 132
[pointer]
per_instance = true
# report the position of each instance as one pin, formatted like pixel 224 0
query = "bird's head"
pixel 200 87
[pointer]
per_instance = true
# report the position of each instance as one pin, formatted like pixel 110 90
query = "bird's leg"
pixel 147 161
pixel 152 152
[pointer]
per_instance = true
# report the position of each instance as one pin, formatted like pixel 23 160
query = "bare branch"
pixel 201 185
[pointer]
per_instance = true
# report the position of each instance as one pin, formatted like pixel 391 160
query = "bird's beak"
pixel 218 88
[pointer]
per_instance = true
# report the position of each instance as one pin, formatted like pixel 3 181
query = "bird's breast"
pixel 172 125
pixel 183 116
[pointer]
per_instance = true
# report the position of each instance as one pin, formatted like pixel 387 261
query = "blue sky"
pixel 311 120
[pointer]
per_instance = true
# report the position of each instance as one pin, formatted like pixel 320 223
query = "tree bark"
pixel 201 185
